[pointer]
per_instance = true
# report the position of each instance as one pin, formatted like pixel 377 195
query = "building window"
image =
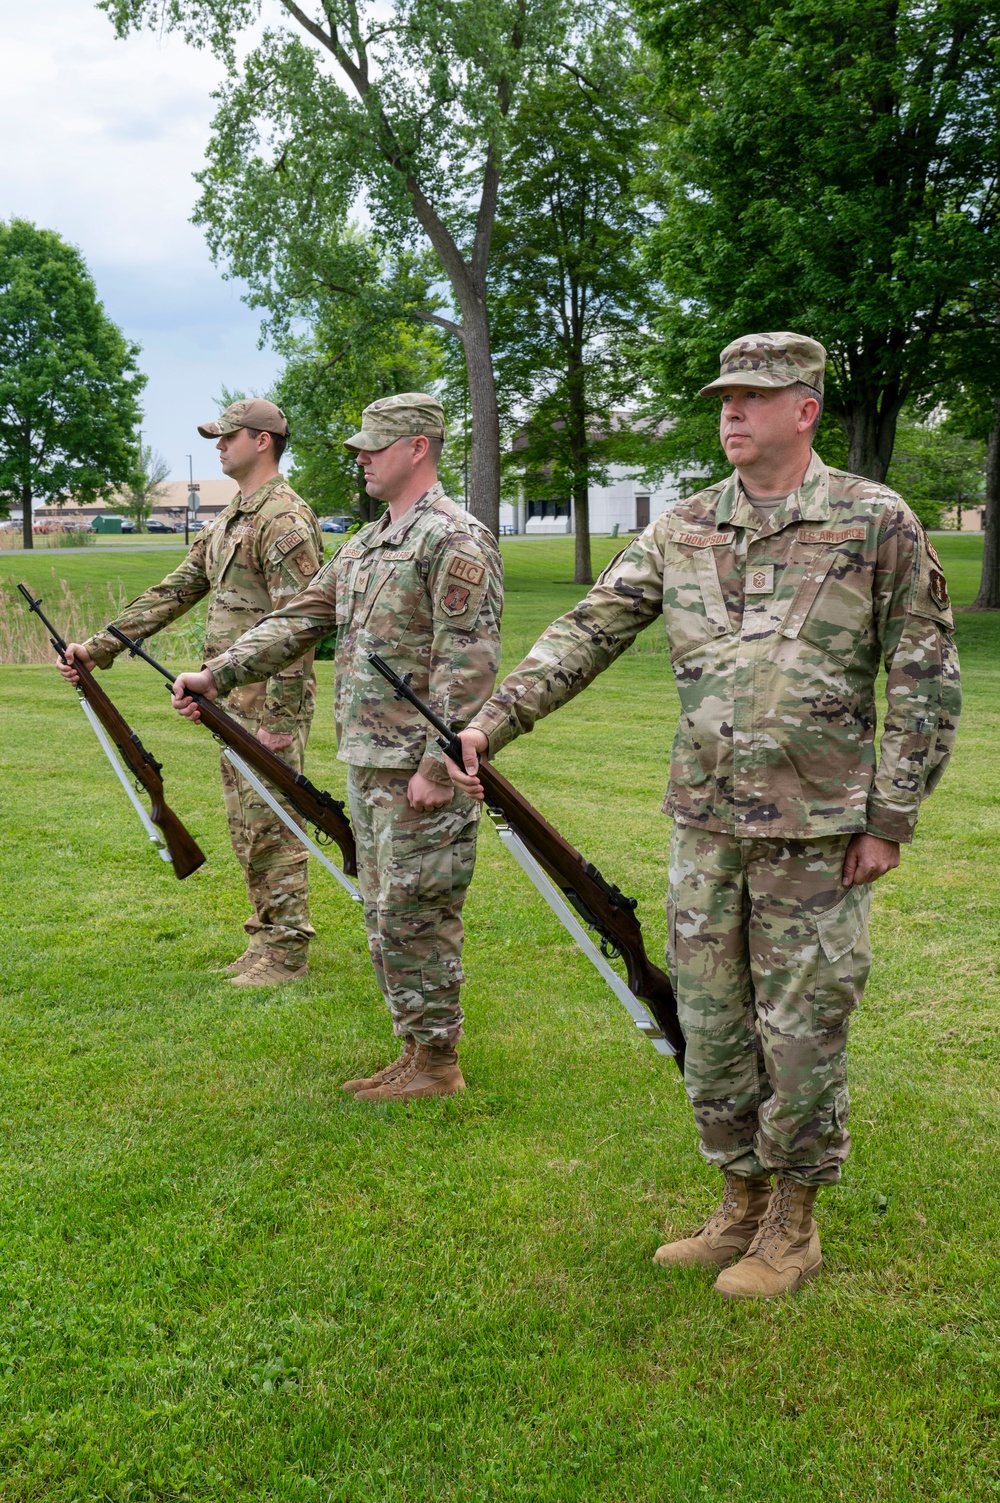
pixel 547 509
pixel 641 512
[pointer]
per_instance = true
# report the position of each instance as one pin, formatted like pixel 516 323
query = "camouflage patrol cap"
pixel 768 360
pixel 254 412
pixel 403 416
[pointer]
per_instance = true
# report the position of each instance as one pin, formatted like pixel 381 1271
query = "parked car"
pixel 155 525
pixel 128 525
pixel 335 524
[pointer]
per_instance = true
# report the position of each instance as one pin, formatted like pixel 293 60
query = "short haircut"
pixel 803 389
pixel 435 448
pixel 279 441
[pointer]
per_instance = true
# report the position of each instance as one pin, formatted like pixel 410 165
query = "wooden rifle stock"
pixel 601 905
pixel 319 809
pixel 182 849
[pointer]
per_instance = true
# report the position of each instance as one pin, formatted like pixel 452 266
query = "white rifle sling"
pixel 259 787
pixel 645 1023
pixel 125 781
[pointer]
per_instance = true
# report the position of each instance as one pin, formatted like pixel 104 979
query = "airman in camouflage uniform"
pixel 260 552
pixel 778 611
pixel 423 587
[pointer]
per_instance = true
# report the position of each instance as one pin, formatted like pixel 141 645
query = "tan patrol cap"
pixel 403 416
pixel 770 360
pixel 252 413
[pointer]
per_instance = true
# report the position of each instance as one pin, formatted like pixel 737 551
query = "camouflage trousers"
pixel 414 871
pixel 769 956
pixel 273 861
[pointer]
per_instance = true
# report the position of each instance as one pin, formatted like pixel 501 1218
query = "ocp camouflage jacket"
pixel 776 631
pixel 257 554
pixel 426 593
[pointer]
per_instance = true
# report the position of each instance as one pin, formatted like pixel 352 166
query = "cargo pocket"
pixel 844 958
pixel 431 862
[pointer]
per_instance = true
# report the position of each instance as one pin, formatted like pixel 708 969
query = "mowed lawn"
pixel 221 1279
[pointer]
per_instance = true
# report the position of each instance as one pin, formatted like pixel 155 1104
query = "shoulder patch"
pixel 289 541
pixel 832 534
pixel 702 539
pixel 464 568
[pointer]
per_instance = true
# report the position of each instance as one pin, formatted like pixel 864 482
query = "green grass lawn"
pixel 220 1279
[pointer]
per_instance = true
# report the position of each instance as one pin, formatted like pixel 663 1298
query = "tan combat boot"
pixel 728 1233
pixel 785 1251
pixel 242 963
pixel 430 1071
pixel 270 969
pixel 381 1076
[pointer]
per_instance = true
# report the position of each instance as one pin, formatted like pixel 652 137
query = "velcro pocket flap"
pixel 840 927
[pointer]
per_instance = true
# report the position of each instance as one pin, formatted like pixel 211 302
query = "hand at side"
pixel 868 858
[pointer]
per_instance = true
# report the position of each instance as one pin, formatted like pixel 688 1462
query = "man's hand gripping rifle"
pixel 250 757
pixel 173 842
pixel 568 883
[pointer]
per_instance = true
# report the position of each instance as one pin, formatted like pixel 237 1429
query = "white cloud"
pixel 106 135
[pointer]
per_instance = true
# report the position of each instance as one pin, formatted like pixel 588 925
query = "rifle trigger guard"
pixel 609 949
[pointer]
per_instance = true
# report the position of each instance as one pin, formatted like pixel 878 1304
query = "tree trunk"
pixel 484 455
pixel 988 598
pixel 576 424
pixel 871 435
pixel 26 517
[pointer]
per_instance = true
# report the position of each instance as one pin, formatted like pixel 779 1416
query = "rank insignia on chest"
pixel 456 600
pixel 760 581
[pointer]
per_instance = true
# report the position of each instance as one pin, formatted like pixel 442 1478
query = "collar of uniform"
pixel 260 495
pixel 397 532
pixel 810 503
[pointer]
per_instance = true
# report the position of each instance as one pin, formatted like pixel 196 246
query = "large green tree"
pixel 141 493
pixel 831 167
pixel 362 342
pixel 69 382
pixel 407 102
pixel 566 290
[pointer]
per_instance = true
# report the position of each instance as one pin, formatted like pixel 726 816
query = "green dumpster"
pixel 107 523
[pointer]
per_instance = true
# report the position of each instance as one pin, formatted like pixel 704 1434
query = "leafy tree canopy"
pixel 566 290
pixel 69 382
pixel 407 103
pixel 830 167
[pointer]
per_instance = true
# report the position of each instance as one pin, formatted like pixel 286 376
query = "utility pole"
pixel 192 505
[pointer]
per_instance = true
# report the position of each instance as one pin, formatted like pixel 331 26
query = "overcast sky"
pixel 102 138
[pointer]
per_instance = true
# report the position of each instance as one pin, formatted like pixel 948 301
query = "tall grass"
pixel 11 540
pixel 77 614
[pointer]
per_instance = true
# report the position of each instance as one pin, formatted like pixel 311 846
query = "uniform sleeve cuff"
pixel 891 824
pixel 223 675
pixel 103 650
pixel 496 725
pixel 434 767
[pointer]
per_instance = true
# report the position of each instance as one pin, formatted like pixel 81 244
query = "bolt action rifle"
pixel 251 757
pixel 571 886
pixel 173 842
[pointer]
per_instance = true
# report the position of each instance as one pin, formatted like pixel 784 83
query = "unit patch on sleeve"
pixel 464 568
pixel 456 600
pixel 938 588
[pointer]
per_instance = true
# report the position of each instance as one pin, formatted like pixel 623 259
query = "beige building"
pixel 213 495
